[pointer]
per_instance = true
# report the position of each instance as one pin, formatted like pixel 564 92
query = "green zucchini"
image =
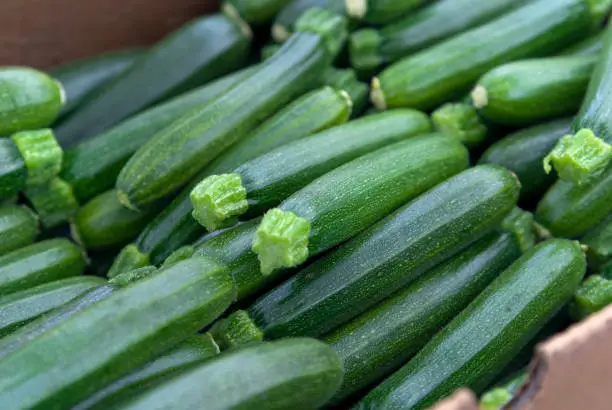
pixel 29 100
pixel 522 152
pixel 115 336
pixel 265 181
pixel 255 12
pixel 81 79
pixel 201 50
pixel 498 397
pixel 531 91
pixel 370 48
pixel 580 157
pixel 287 374
pixel 92 166
pixel 20 308
pixel 313 112
pixel 570 210
pixel 389 255
pixel 18 228
pixel 54 202
pixel 599 244
pixel 381 11
pixel 284 22
pixel 178 153
pixel 486 335
pixel 40 263
pixel 104 223
pixel 349 199
pixel 460 121
pixel 590 46
pixel 448 69
pixel 189 353
pixel 382 339
pixel 594 294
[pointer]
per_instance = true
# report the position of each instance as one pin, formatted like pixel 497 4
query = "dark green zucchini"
pixel 486 335
pixel 370 48
pixel 460 121
pixel 590 46
pixel 18 228
pixel 39 263
pixel 284 22
pixel 115 336
pixel 531 91
pixel 599 244
pixel 381 12
pixel 178 153
pixel 13 172
pixel 81 79
pixel 20 308
pixel 594 294
pixel 92 166
pixel 382 339
pixel 446 70
pixel 201 50
pixel 265 181
pixel 54 202
pixel 29 99
pixel 523 151
pixel 287 374
pixel 349 199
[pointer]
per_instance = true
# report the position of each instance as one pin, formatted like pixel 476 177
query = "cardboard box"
pixel 571 371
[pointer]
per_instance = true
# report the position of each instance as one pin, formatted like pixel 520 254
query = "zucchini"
pixel 104 223
pixel 371 48
pixel 54 202
pixel 346 80
pixel 29 99
pixel 178 153
pixel 382 339
pixel 81 79
pixel 498 397
pixel 20 308
pixel 486 335
pixel 599 244
pixel 115 336
pixel 531 91
pixel 522 152
pixel 189 353
pixel 340 204
pixel 265 181
pixel 39 263
pixel 18 228
pixel 590 46
pixel 460 121
pixel 92 166
pixel 174 227
pixel 389 255
pixel 201 50
pixel 287 374
pixel 381 11
pixel 570 210
pixel 594 294
pixel 580 157
pixel 448 69
pixel 284 22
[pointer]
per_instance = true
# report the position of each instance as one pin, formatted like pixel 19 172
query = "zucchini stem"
pixel 127 278
pixel 236 330
pixel 281 240
pixel 460 121
pixel 332 27
pixel 280 34
pixel 364 50
pixel 356 9
pixel 54 202
pixel 41 154
pixel 520 223
pixel 377 96
pixel 182 253
pixel 218 201
pixel 480 97
pixel 129 258
pixel 594 294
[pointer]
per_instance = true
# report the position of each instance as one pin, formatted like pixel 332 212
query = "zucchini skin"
pixel 512 309
pixel 20 308
pixel 537 29
pixel 256 12
pixel 199 51
pixel 350 279
pixel 186 296
pixel 92 166
pixel 39 263
pixel 599 244
pixel 523 151
pixel 292 374
pixel 379 341
pixel 13 170
pixel 29 99
pixel 81 79
pixel 18 228
pixel 531 91
pixel 381 12
pixel 590 46
pixel 284 23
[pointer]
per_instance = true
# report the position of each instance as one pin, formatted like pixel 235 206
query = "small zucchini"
pixel 263 182
pixel 594 294
pixel 115 336
pixel 178 153
pixel 381 12
pixel 201 50
pixel 18 228
pixel 378 342
pixel 91 167
pixel 340 204
pixel 487 334
pixel 54 202
pixel 22 307
pixel 599 244
pixel 448 69
pixel 284 23
pixel 29 99
pixel 287 374
pixel 532 91
pixel 39 263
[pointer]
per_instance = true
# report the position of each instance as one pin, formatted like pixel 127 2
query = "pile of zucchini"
pixel 387 201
